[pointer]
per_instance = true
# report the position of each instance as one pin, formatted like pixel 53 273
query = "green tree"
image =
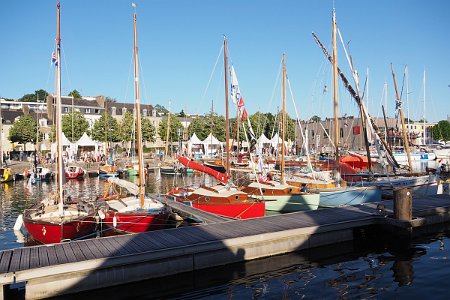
pixel 75 94
pixel 127 128
pixel 148 131
pixel 175 124
pixel 441 131
pixel 23 130
pixel 198 126
pixel 105 130
pixel 161 109
pixel 38 95
pixel 74 125
pixel 315 119
pixel 182 114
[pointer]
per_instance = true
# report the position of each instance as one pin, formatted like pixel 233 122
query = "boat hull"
pixel 349 196
pixel 237 211
pixel 50 233
pixel 136 222
pixel 6 175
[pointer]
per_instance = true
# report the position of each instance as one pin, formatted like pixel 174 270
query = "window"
pixel 87 111
pixel 326 133
pixel 66 109
pixel 341 132
pixel 312 133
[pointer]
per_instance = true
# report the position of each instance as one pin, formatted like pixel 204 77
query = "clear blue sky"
pixel 179 42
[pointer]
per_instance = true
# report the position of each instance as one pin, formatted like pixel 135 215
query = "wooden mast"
pixel 138 117
pixel 227 127
pixel 283 118
pixel 335 100
pixel 405 135
pixel 61 174
pixel 166 149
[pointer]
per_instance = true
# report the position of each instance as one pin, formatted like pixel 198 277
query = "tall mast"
pixel 166 149
pixel 335 99
pixel 283 118
pixel 61 172
pixel 405 135
pixel 138 116
pixel 227 127
pixel 424 111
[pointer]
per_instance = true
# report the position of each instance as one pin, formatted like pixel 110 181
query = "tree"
pixel 38 95
pixel 108 132
pixel 74 125
pixel 23 130
pixel 75 94
pixel 161 109
pixel 127 128
pixel 198 126
pixel 441 131
pixel 174 125
pixel 148 131
pixel 182 114
pixel 315 118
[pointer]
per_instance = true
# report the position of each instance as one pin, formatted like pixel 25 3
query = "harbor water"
pixel 374 266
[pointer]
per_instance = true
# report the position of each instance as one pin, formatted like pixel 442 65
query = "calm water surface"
pixel 375 266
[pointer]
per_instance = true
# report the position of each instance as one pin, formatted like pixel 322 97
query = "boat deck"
pixel 70 267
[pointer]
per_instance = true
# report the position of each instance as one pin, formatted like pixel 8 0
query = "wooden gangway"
pixel 70 267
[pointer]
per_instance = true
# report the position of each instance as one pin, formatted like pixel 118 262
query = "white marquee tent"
pixel 212 145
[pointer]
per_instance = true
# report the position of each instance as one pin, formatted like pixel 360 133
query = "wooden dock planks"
pixel 34 257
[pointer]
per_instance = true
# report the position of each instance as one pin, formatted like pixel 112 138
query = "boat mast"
pixel 424 111
pixel 405 135
pixel 166 149
pixel 227 127
pixel 335 100
pixel 59 149
pixel 138 116
pixel 283 118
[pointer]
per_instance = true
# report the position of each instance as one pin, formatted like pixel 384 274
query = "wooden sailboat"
pixel 341 195
pixel 137 212
pixel 279 195
pixel 54 220
pixel 222 199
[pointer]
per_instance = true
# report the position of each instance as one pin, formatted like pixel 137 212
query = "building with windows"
pixel 320 134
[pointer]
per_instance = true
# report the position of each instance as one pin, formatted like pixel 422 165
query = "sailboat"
pixel 137 212
pixel 223 198
pixel 57 218
pixel 341 195
pixel 280 196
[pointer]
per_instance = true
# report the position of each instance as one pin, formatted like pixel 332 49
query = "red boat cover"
pixel 193 165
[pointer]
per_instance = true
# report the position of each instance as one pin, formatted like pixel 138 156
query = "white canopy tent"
pixel 195 146
pixel 67 146
pixel 212 145
pixel 263 143
pixel 276 141
pixel 86 142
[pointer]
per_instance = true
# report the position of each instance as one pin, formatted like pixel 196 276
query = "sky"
pixel 181 64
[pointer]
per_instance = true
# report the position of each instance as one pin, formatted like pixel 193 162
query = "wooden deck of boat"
pixel 69 267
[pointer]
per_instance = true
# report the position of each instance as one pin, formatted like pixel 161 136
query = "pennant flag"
pixel 54 59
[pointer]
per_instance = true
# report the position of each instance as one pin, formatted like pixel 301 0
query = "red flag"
pixel 244 114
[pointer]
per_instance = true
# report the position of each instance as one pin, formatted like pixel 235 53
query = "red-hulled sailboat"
pixel 52 220
pixel 136 212
pixel 223 198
